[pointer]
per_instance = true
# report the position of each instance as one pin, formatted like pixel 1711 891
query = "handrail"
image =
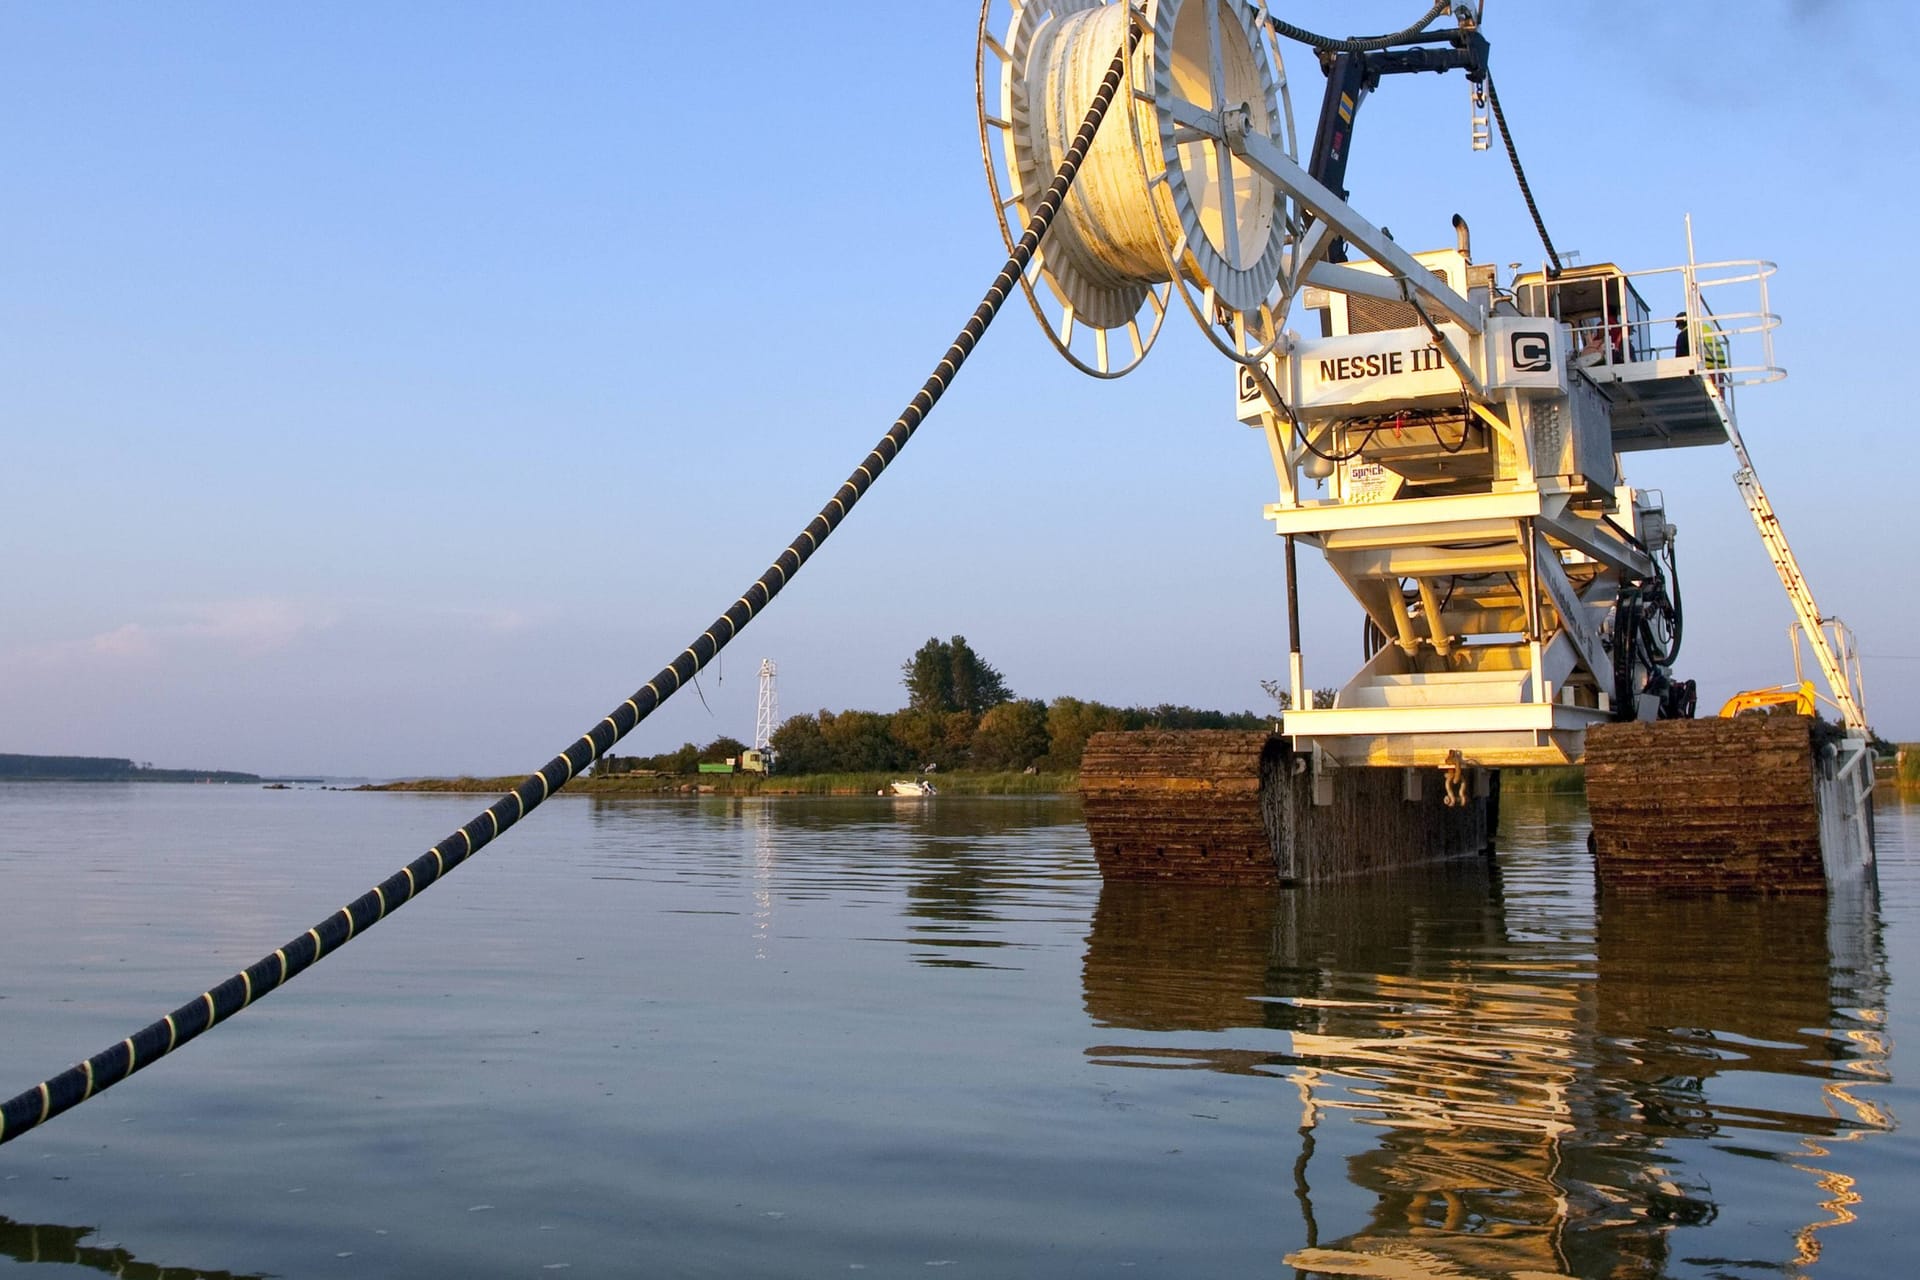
pixel 1720 339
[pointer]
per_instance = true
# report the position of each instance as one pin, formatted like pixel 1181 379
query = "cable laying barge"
pixel 1452 444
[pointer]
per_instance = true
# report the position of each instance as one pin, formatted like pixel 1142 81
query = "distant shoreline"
pixel 753 784
pixel 1564 778
pixel 27 768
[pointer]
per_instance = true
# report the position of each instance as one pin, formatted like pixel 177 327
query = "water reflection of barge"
pixel 31 1243
pixel 1542 1107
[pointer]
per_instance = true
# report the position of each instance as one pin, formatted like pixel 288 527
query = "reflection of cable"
pixel 1304 1079
pixel 70 1088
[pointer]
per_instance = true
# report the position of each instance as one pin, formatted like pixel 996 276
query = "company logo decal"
pixel 1532 352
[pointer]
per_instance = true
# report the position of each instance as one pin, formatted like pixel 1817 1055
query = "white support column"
pixel 1574 623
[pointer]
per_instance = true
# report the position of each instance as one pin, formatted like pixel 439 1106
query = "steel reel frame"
pixel 1248 346
pixel 1060 331
pixel 1216 285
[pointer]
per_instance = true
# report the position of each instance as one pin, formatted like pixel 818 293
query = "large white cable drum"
pixel 1160 201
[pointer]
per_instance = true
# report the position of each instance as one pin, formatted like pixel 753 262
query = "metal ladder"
pixel 1774 538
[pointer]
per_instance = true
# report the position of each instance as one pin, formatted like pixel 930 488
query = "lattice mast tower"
pixel 768 716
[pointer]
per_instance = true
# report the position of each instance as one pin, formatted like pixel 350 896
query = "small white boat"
pixel 919 788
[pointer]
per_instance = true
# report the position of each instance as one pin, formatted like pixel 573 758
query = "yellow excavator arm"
pixel 1797 696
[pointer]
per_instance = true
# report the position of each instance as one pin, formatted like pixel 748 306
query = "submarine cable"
pixel 34 1107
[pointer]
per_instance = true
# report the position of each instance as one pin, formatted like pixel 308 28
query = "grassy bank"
pixel 1566 779
pixel 749 784
pixel 475 785
pixel 835 784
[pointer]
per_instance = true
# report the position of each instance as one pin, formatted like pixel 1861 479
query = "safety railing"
pixel 1842 658
pixel 1718 313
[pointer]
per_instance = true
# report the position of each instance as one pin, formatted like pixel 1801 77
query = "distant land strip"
pixel 20 768
pixel 968 783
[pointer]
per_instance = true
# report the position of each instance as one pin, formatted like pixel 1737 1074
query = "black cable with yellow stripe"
pixel 109 1067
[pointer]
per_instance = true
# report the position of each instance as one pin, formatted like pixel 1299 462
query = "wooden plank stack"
pixel 1705 806
pixel 1180 805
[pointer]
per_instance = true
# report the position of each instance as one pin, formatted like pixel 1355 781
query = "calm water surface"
pixel 809 1038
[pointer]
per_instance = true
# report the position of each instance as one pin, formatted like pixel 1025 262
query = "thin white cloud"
pixel 128 640
pixel 244 628
pixel 254 626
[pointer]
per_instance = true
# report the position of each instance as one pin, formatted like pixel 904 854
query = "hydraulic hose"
pixel 1278 405
pixel 1520 175
pixel 157 1039
pixel 1673 594
pixel 1370 44
pixel 1358 44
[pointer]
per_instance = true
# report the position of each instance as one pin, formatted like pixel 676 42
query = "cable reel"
pixel 1162 207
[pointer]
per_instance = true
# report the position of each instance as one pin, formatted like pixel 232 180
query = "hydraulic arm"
pixel 1351 76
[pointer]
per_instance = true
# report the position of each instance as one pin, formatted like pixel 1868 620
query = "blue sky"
pixel 392 389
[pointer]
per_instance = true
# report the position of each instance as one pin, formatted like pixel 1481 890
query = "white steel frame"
pixel 767 716
pixel 1559 625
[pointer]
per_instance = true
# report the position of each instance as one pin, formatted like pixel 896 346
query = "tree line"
pixel 960 714
pixel 106 769
pixel 1018 734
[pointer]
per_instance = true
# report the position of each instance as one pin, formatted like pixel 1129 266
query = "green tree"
pixel 943 739
pixel 1283 697
pixel 1170 715
pixel 1070 722
pixel 722 748
pixel 947 675
pixel 928 675
pixel 976 684
pixel 861 742
pixel 800 745
pixel 1012 735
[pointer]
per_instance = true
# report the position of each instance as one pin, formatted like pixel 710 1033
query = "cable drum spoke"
pixel 33 1107
pixel 1222 155
pixel 1191 115
pixel 1024 127
pixel 1216 76
pixel 1241 270
pixel 1178 209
